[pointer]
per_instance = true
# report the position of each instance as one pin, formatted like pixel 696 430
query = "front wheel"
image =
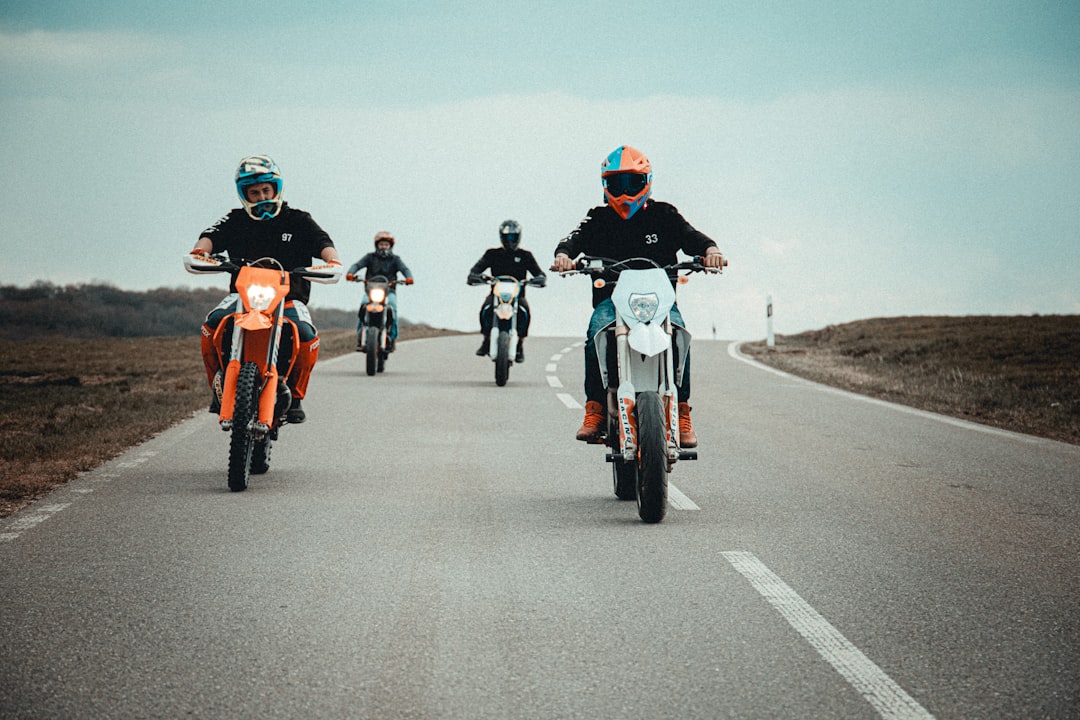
pixel 242 439
pixel 371 349
pixel 652 480
pixel 502 359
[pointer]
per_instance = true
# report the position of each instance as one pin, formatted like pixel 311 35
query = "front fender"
pixel 649 339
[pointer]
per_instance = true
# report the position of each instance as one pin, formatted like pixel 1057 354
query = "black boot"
pixel 296 414
pixel 520 356
pixel 485 346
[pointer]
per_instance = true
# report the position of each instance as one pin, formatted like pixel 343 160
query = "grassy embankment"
pixel 1020 373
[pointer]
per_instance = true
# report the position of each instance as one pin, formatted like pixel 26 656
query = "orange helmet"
pixel 627 178
pixel 383 236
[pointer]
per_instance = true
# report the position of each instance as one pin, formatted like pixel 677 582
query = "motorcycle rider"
pixel 382 262
pixel 630 224
pixel 512 260
pixel 267 227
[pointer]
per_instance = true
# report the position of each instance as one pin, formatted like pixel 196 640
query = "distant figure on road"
pixel 511 260
pixel 382 262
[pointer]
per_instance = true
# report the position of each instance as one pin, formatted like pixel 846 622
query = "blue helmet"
pixel 253 170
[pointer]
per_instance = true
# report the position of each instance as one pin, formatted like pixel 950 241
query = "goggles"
pixel 625 183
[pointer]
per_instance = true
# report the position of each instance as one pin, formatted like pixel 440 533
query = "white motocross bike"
pixel 504 316
pixel 642 374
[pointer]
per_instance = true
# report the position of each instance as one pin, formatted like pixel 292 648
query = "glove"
pixel 540 281
pixel 350 277
pixel 408 281
pixel 333 262
pixel 475 279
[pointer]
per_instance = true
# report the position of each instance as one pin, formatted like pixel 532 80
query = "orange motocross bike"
pixel 254 397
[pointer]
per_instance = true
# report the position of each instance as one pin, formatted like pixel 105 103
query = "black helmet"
pixel 510 234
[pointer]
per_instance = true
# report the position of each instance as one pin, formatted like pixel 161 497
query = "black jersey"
pixel 292 237
pixel 657 231
pixel 514 263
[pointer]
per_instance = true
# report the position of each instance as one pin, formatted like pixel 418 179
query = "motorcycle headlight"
pixel 506 291
pixel 377 295
pixel 644 306
pixel 260 297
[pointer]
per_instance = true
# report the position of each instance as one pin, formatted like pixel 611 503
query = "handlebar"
pixel 536 281
pixel 380 278
pixel 199 264
pixel 602 266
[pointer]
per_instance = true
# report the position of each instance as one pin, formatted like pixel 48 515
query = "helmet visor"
pixel 625 183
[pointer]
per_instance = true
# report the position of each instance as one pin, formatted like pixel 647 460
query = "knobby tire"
pixel 502 359
pixel 371 348
pixel 652 480
pixel 242 440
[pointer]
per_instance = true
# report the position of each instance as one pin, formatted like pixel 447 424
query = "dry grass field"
pixel 1020 373
pixel 68 405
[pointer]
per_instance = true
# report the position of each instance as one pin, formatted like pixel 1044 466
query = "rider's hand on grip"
pixel 350 277
pixel 408 281
pixel 475 279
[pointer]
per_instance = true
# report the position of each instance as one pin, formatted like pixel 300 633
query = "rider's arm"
pixel 330 255
pixel 533 267
pixel 203 246
pixel 563 263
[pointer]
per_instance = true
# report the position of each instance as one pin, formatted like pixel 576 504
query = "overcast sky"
pixel 853 158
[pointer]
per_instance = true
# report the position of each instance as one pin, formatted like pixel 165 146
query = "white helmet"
pixel 253 170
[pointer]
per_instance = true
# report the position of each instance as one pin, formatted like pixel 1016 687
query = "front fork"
pixel 267 345
pixel 368 326
pixel 648 373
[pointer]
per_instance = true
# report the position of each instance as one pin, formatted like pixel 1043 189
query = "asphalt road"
pixel 429 545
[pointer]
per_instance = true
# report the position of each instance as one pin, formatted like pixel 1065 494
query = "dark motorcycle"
pixel 377 317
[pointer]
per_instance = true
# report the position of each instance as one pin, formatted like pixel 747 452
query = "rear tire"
pixel 242 439
pixel 260 455
pixel 502 359
pixel 652 480
pixel 371 349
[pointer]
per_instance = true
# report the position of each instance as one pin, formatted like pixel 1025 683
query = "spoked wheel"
pixel 652 480
pixel 242 439
pixel 502 359
pixel 371 348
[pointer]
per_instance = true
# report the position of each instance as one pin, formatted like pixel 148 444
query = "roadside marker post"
pixel 770 340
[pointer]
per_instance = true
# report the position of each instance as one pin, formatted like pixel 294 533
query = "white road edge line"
pixel 678 500
pixel 733 351
pixel 569 401
pixel 554 382
pixel 870 681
